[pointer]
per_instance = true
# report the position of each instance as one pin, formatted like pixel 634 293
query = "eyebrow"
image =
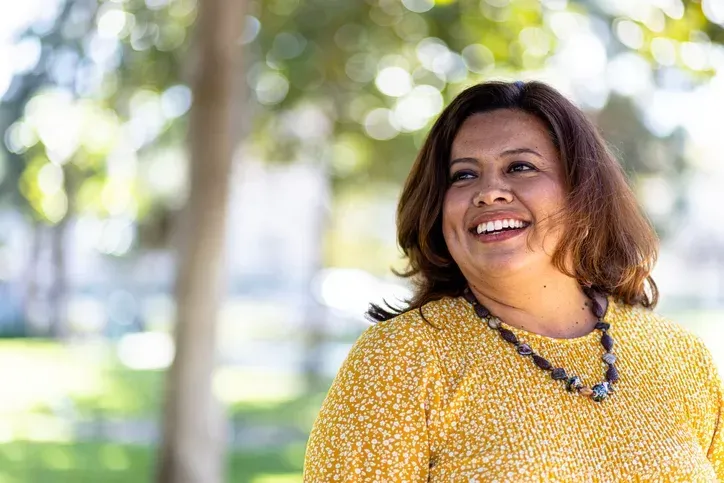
pixel 507 152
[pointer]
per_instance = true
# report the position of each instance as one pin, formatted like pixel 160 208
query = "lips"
pixel 495 221
pixel 500 235
pixel 500 225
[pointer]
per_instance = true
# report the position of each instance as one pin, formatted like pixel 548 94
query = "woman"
pixel 529 350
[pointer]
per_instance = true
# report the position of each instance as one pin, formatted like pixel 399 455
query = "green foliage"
pixel 326 55
pixel 318 80
pixel 75 140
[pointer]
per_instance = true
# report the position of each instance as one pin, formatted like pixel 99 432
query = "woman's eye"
pixel 520 167
pixel 461 175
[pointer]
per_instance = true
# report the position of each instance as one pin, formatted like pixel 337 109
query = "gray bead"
pixel 494 322
pixel 574 383
pixel 609 358
pixel 600 391
pixel 524 350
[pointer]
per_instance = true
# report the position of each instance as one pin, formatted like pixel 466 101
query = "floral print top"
pixel 445 399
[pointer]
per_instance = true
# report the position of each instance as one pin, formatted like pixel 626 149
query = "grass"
pixel 31 462
pixel 46 384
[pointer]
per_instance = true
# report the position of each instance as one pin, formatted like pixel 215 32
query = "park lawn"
pixel 31 462
pixel 46 384
pixel 45 377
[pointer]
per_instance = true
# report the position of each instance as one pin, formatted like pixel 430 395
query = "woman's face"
pixel 505 180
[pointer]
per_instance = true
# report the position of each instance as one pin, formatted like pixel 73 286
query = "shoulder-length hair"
pixel 611 243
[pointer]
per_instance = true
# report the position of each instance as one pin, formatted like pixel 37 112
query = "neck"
pixel 550 304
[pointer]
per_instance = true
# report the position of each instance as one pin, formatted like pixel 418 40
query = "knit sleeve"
pixel 716 450
pixel 373 424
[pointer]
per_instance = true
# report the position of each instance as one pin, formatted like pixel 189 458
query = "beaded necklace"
pixel 573 383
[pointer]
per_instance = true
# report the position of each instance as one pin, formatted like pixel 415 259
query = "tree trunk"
pixel 315 313
pixel 58 292
pixel 193 433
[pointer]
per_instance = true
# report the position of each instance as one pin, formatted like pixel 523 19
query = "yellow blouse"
pixel 413 403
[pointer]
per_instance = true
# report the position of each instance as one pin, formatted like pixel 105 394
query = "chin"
pixel 501 268
pixel 501 265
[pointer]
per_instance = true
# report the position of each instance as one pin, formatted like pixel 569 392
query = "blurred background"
pixel 336 98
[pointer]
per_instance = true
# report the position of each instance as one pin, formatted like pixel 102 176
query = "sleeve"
pixel 716 450
pixel 373 424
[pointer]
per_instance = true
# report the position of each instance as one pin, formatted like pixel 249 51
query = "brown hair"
pixel 612 245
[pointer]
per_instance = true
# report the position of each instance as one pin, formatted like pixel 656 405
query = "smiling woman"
pixel 504 167
pixel 525 242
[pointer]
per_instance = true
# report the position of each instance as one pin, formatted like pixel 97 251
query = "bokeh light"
pixel 332 103
pixel 393 81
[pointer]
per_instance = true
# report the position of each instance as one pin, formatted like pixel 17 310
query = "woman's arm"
pixel 716 450
pixel 373 425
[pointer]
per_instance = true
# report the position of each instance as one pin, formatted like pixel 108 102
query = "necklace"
pixel 573 383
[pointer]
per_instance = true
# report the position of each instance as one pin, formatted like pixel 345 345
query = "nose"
pixel 491 195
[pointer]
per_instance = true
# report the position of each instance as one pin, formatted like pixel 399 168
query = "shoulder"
pixel 397 356
pixel 409 329
pixel 646 323
pixel 415 331
pixel 666 337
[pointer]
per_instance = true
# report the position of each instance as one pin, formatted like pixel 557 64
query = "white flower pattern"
pixel 447 400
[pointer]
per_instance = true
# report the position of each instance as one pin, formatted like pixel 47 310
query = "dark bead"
pixel 597 309
pixel 603 326
pixel 574 383
pixel 607 342
pixel 600 391
pixel 481 311
pixel 540 362
pixel 469 296
pixel 524 350
pixel 612 374
pixel 590 292
pixel 559 374
pixel 508 336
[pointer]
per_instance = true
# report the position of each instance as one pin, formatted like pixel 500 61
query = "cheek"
pixel 544 200
pixel 453 213
pixel 547 203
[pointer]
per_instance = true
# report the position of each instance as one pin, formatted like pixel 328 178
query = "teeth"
pixel 498 225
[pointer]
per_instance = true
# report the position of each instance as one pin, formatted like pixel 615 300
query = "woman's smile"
pixel 494 227
pixel 494 234
pixel 505 187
